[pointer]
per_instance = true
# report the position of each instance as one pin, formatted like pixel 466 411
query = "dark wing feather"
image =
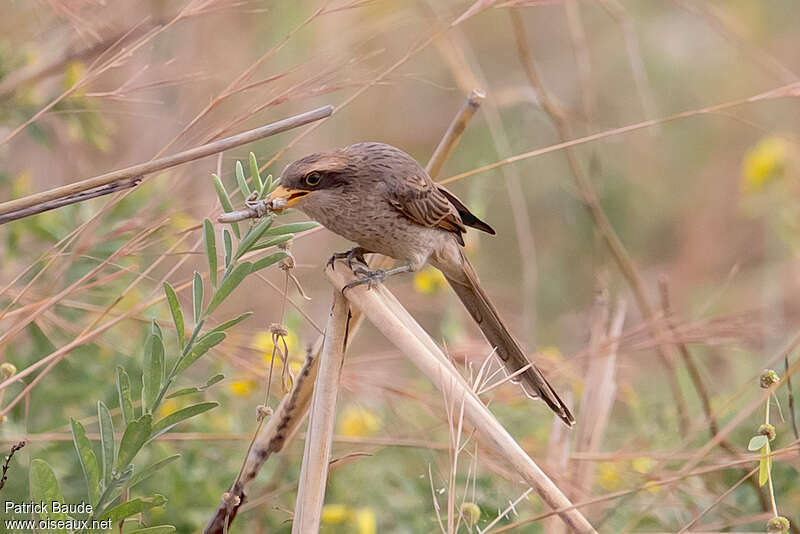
pixel 418 198
pixel 467 217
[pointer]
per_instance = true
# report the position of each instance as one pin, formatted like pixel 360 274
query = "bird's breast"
pixel 375 225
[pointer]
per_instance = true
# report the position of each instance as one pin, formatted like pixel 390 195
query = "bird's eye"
pixel 313 178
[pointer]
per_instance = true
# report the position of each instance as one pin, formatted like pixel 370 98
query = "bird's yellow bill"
pixel 291 196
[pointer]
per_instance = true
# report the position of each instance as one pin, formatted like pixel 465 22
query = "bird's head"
pixel 323 171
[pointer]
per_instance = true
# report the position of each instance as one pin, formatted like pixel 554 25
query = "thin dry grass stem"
pixel 648 485
pixel 723 434
pixel 395 323
pixel 314 471
pixel 715 21
pixel 9 209
pixel 558 457
pixel 747 476
pixel 600 388
pixel 601 221
pixel 791 90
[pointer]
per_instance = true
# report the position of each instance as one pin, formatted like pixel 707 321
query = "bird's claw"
pixel 370 278
pixel 354 258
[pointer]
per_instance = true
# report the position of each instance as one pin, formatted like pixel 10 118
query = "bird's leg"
pixel 365 276
pixel 355 254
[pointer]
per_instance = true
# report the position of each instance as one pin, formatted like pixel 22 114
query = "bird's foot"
pixel 370 278
pixel 365 276
pixel 354 258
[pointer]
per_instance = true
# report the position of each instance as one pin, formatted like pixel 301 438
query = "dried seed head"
pixel 7 370
pixel 768 378
pixel 767 430
pixel 471 512
pixel 778 525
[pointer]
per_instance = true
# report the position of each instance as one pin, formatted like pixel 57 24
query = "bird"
pixel 382 199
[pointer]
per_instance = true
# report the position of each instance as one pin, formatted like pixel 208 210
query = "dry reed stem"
pixel 8 209
pixel 600 388
pixel 396 324
pixel 558 457
pixel 453 134
pixel 601 221
pixel 321 420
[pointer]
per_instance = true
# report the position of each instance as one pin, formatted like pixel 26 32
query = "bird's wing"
pixel 418 198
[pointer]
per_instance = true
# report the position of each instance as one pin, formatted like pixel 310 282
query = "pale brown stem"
pixel 398 326
pixel 453 134
pixel 9 208
pixel 314 471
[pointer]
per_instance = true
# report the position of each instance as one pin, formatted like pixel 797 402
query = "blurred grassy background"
pixel 709 202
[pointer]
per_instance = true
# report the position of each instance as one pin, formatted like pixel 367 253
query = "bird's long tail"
pixel 464 282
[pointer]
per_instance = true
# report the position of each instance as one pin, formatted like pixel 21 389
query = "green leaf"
pixel 229 283
pixel 44 488
pixel 225 201
pixel 255 175
pixel 269 185
pixel 150 470
pixel 135 436
pixel 133 507
pixel 87 459
pixel 165 424
pixel 152 371
pixel 161 529
pixel 210 242
pixel 272 242
pixel 756 442
pixel 107 451
pixel 124 392
pixel 233 322
pixel 203 345
pixel 252 236
pixel 197 296
pixel 293 228
pixel 243 187
pixel 226 239
pixel 177 313
pixel 268 260
pixel 764 465
pixel 197 389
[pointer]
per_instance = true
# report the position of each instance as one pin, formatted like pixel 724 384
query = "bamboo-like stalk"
pixel 314 471
pixel 454 132
pixel 600 387
pixel 396 324
pixel 15 209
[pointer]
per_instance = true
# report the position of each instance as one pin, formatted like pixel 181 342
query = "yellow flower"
pixel 764 162
pixel 608 476
pixel 333 514
pixel 357 421
pixel 262 342
pixel 366 521
pixel 429 281
pixel 643 465
pixel 242 388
